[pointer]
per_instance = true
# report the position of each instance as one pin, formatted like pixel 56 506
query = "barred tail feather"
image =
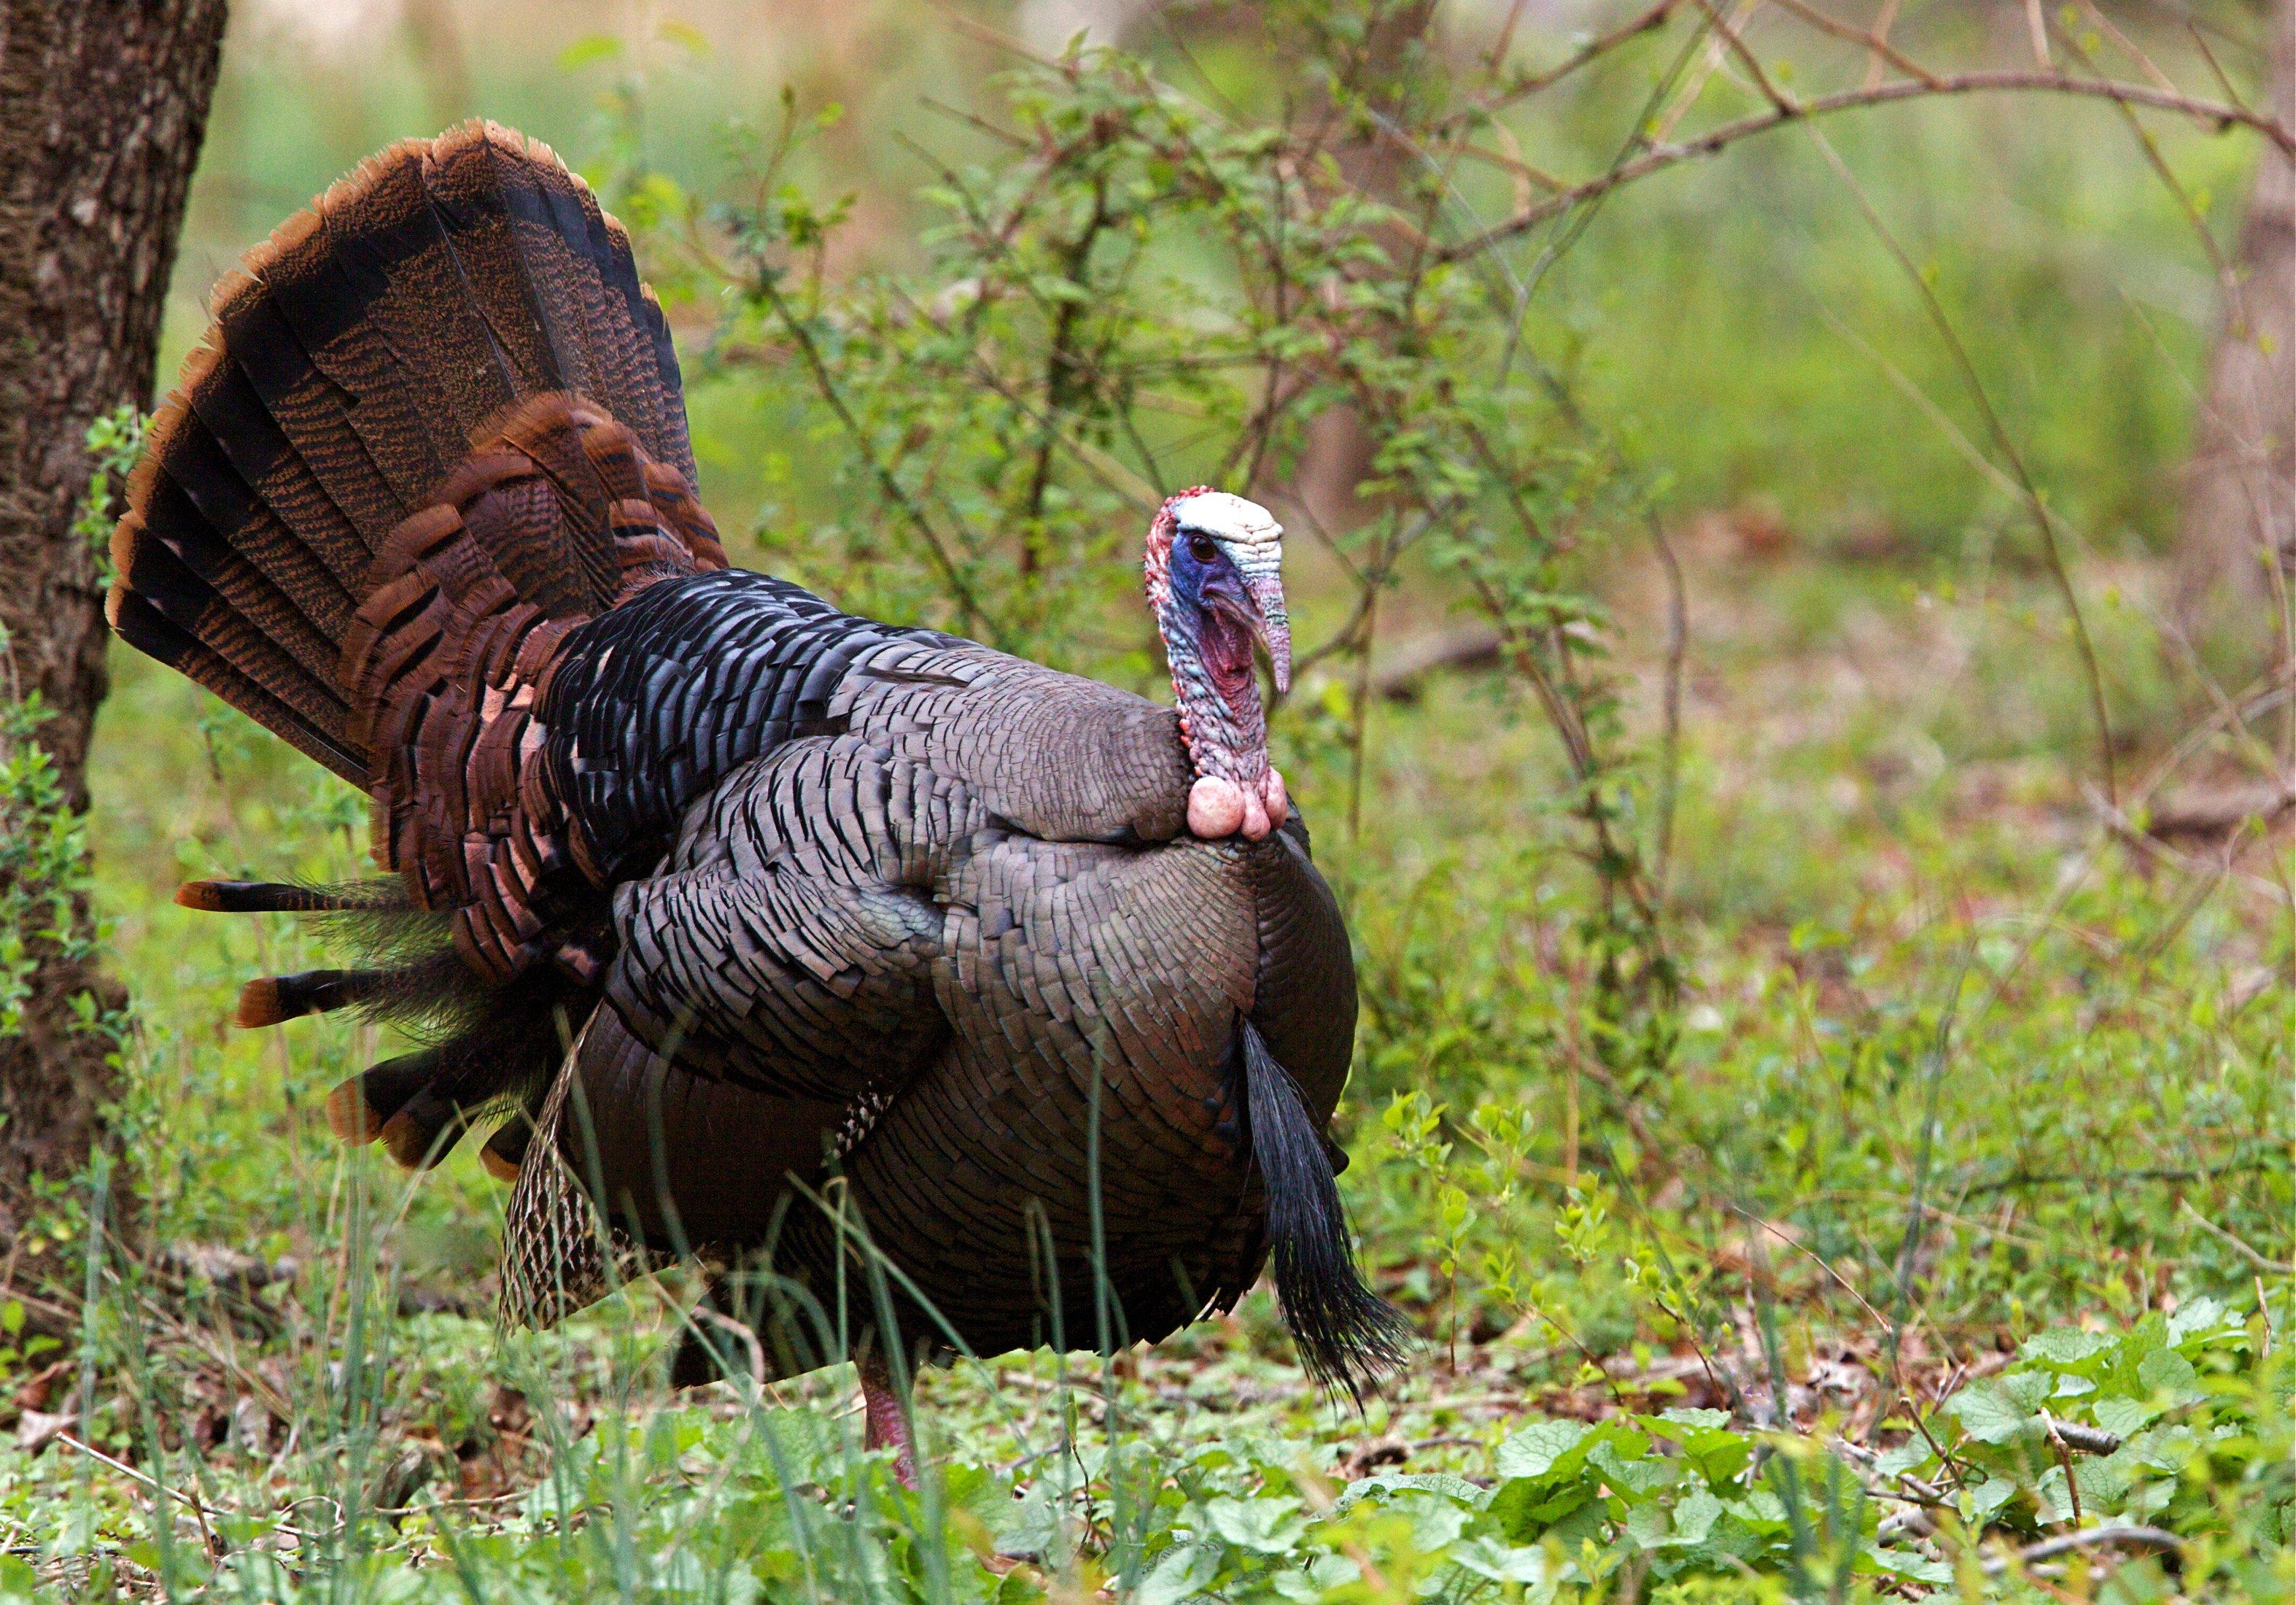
pixel 353 360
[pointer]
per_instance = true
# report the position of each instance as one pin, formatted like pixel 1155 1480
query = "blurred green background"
pixel 1920 968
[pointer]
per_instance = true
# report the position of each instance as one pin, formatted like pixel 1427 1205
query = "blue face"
pixel 1212 599
pixel 1203 576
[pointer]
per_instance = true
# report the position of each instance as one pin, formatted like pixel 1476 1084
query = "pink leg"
pixel 884 1411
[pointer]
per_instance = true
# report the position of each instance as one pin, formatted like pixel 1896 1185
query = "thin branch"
pixel 1729 29
pixel 1883 20
pixel 2036 35
pixel 2228 281
pixel 1877 42
pixel 2116 1538
pixel 1593 50
pixel 2043 519
pixel 969 607
pixel 2128 46
pixel 2240 1245
pixel 1848 100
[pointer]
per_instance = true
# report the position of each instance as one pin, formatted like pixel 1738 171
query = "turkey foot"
pixel 886 1418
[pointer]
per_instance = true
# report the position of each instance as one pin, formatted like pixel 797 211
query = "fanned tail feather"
pixel 437 422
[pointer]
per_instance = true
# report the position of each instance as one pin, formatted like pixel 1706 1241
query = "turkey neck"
pixel 1221 720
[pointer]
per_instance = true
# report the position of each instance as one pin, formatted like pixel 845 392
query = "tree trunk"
pixel 2240 507
pixel 1337 452
pixel 101 106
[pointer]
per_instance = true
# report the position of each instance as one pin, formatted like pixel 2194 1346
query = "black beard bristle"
pixel 1348 1336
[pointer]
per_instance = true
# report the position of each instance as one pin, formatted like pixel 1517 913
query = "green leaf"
pixel 1265 1527
pixel 2165 1370
pixel 1988 1415
pixel 587 49
pixel 1533 1451
pixel 2064 1346
pixel 1319 1579
pixel 1180 1573
pixel 2203 1314
pixel 2028 1390
pixel 1981 1502
pixel 1638 1476
pixel 2123 1417
pixel 1695 1516
pixel 1499 1561
pixel 1032 1523
pixel 1422 1482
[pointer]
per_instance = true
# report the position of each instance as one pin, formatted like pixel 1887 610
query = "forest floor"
pixel 1944 1247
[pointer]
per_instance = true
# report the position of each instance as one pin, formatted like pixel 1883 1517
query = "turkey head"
pixel 1215 570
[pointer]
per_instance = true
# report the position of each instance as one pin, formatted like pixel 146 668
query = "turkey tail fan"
pixel 352 360
pixel 1348 1336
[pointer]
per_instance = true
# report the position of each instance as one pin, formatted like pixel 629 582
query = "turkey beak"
pixel 1261 565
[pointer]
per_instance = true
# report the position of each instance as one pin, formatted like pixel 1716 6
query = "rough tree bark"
pixel 2241 491
pixel 103 104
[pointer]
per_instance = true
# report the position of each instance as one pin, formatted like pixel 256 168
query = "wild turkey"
pixel 768 927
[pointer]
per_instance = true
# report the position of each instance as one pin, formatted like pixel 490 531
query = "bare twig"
pixel 2118 1537
pixel 2044 521
pixel 1594 50
pixel 1877 41
pixel 2239 1245
pixel 1729 29
pixel 969 608
pixel 1883 20
pixel 2036 35
pixel 1713 140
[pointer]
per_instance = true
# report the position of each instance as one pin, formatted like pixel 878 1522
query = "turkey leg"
pixel 884 1410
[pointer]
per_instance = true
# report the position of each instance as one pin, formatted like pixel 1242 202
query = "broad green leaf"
pixel 1911 1456
pixel 2165 1370
pixel 1265 1527
pixel 2201 1314
pixel 1422 1482
pixel 1646 1526
pixel 2030 1389
pixel 1979 1502
pixel 1317 1580
pixel 1987 1415
pixel 2123 1417
pixel 1533 1451
pixel 1637 1477
pixel 1695 1516
pixel 1500 1563
pixel 2064 1346
pixel 1180 1573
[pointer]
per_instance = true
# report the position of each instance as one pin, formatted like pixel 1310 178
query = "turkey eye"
pixel 1201 547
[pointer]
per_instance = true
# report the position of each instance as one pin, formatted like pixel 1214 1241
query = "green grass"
pixel 2108 1157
